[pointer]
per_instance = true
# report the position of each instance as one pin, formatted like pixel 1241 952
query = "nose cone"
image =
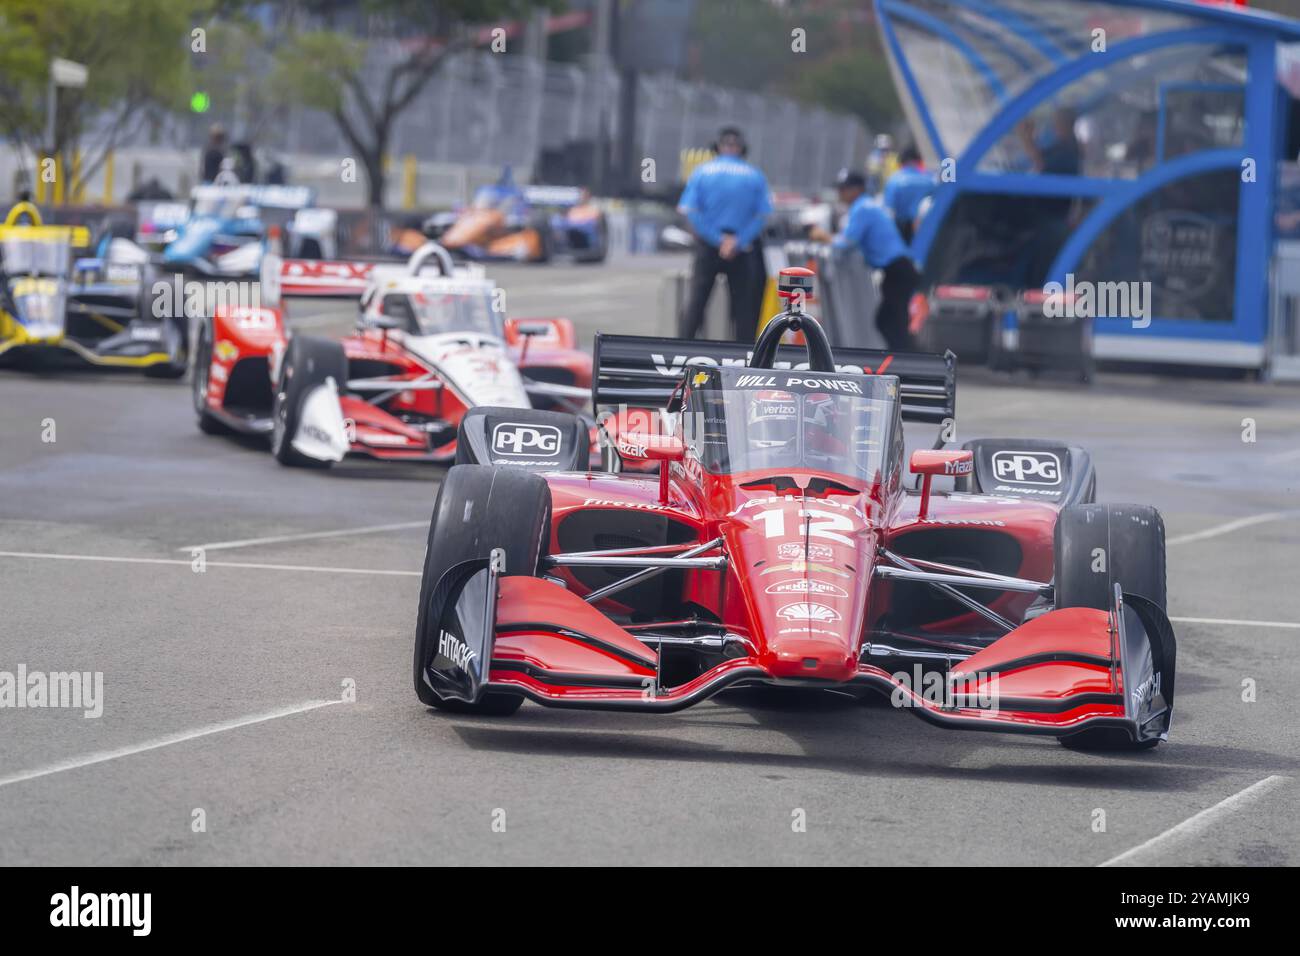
pixel 193 241
pixel 804 572
pixel 474 227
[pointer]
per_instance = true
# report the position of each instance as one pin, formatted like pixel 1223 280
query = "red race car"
pixel 431 342
pixel 783 544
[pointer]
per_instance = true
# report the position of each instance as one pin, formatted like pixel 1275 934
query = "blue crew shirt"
pixel 726 195
pixel 906 190
pixel 871 229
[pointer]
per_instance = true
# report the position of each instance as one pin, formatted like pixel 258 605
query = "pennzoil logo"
pixel 806 586
pixel 819 613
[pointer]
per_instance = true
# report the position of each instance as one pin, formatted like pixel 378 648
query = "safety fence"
pixel 548 121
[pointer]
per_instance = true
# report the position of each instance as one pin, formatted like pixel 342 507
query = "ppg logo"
pixel 1027 467
pixel 537 441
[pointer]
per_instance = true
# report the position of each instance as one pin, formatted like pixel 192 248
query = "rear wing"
pixel 342 279
pixel 643 371
pixel 312 278
pixel 267 196
pixel 562 196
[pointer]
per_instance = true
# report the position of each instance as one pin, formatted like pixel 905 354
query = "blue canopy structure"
pixel 1180 173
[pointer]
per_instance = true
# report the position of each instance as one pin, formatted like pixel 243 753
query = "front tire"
pixel 209 424
pixel 1128 542
pixel 479 508
pixel 308 362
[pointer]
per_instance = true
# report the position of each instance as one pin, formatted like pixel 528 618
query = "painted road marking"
pixel 211 564
pixel 1231 526
pixel 1234 622
pixel 103 756
pixel 305 536
pixel 1200 822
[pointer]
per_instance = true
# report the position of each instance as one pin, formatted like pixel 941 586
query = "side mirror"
pixel 643 447
pixel 388 323
pixel 660 448
pixel 928 462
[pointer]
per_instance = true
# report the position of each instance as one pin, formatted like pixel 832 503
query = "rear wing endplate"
pixel 643 371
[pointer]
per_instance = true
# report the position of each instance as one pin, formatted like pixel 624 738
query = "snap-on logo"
pixel 535 441
pixel 1027 467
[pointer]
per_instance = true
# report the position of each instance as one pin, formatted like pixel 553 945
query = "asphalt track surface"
pixel 223 690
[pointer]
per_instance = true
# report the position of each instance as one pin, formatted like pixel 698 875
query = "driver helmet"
pixel 773 419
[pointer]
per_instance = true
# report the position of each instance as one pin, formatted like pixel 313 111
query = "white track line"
pixel 211 564
pixel 74 763
pixel 1231 526
pixel 305 536
pixel 1234 622
pixel 1201 821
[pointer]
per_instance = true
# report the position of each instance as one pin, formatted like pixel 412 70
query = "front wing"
pixel 1061 673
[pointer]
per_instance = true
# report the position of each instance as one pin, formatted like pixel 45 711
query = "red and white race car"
pixel 432 341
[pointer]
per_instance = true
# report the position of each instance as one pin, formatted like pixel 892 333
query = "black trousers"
pixel 896 290
pixel 744 291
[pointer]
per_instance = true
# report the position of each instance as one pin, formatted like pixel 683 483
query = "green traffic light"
pixel 200 102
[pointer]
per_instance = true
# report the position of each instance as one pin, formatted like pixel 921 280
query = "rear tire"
pixel 480 508
pixel 1132 540
pixel 308 362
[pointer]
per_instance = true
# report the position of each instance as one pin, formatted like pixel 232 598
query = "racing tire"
pixel 1132 539
pixel 209 424
pixel 545 244
pixel 308 362
pixel 180 364
pixel 600 251
pixel 479 508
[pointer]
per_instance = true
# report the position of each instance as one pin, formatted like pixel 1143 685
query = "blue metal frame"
pixel 1021 105
pixel 1023 26
pixel 943 31
pixel 909 79
pixel 1256 33
pixel 1121 195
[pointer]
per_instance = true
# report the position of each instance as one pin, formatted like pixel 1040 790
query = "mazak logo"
pixel 809 612
pixel 1027 467
pixel 75 908
pixel 964 467
pixel 805 586
pixel 455 650
pixel 533 441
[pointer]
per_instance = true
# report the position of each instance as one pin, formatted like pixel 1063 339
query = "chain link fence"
pixel 549 121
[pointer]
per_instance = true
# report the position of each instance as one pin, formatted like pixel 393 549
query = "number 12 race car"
pixel 781 545
pixel 431 342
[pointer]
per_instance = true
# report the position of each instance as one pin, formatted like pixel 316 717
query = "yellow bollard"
pixel 57 198
pixel 76 188
pixel 108 179
pixel 410 179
